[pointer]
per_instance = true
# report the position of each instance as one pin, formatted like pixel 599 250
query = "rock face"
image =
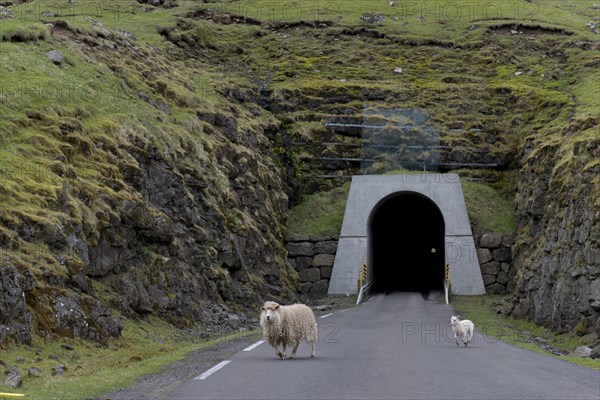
pixel 175 245
pixel 313 259
pixel 556 275
pixel 15 319
pixel 180 221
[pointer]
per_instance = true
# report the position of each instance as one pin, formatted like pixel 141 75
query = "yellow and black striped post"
pixel 447 283
pixel 362 276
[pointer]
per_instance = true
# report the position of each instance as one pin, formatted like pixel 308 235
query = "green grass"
pixel 319 214
pixel 489 210
pixel 144 348
pixel 442 21
pixel 515 331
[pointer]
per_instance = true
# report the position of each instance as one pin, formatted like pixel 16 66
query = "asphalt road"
pixel 397 346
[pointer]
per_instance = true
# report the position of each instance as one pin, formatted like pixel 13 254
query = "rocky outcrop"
pixel 556 276
pixel 175 241
pixel 313 258
pixel 494 252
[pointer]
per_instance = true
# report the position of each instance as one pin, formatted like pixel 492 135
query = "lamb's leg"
pixel 294 350
pixel 456 339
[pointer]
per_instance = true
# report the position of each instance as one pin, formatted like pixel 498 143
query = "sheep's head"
pixel 270 312
pixel 455 319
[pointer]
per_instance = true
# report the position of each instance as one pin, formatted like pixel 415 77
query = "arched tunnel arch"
pixel 406 241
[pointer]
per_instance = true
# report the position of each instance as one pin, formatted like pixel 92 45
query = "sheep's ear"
pixel 277 307
pixel 262 308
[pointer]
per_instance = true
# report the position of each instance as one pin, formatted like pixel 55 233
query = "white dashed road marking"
pixel 212 370
pixel 326 315
pixel 255 345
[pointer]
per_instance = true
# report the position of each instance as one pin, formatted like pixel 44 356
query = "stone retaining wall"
pixel 312 257
pixel 494 252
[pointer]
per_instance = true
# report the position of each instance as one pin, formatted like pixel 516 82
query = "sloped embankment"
pixel 139 195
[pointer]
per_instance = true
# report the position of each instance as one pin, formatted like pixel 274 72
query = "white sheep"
pixel 462 329
pixel 288 325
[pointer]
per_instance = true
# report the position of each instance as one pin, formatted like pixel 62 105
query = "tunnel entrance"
pixel 406 242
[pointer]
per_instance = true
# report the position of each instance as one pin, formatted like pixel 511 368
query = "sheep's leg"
pixel 314 349
pixel 279 354
pixel 294 350
pixel 456 339
pixel 283 355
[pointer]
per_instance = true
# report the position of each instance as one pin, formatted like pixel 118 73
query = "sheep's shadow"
pixel 300 359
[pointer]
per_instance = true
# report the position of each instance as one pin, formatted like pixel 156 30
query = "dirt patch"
pixel 220 17
pixel 520 29
pixel 365 32
pixel 226 18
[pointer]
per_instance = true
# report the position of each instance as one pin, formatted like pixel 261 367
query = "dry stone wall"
pixel 494 252
pixel 312 257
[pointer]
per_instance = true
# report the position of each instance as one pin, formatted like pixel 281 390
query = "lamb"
pixel 288 325
pixel 462 329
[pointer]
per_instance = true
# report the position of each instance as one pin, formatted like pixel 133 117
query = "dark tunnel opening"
pixel 406 244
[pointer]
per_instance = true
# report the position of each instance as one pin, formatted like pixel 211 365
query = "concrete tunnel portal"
pixel 392 223
pixel 405 242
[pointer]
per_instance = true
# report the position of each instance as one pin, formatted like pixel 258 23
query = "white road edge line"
pixel 326 315
pixel 371 298
pixel 212 370
pixel 255 345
